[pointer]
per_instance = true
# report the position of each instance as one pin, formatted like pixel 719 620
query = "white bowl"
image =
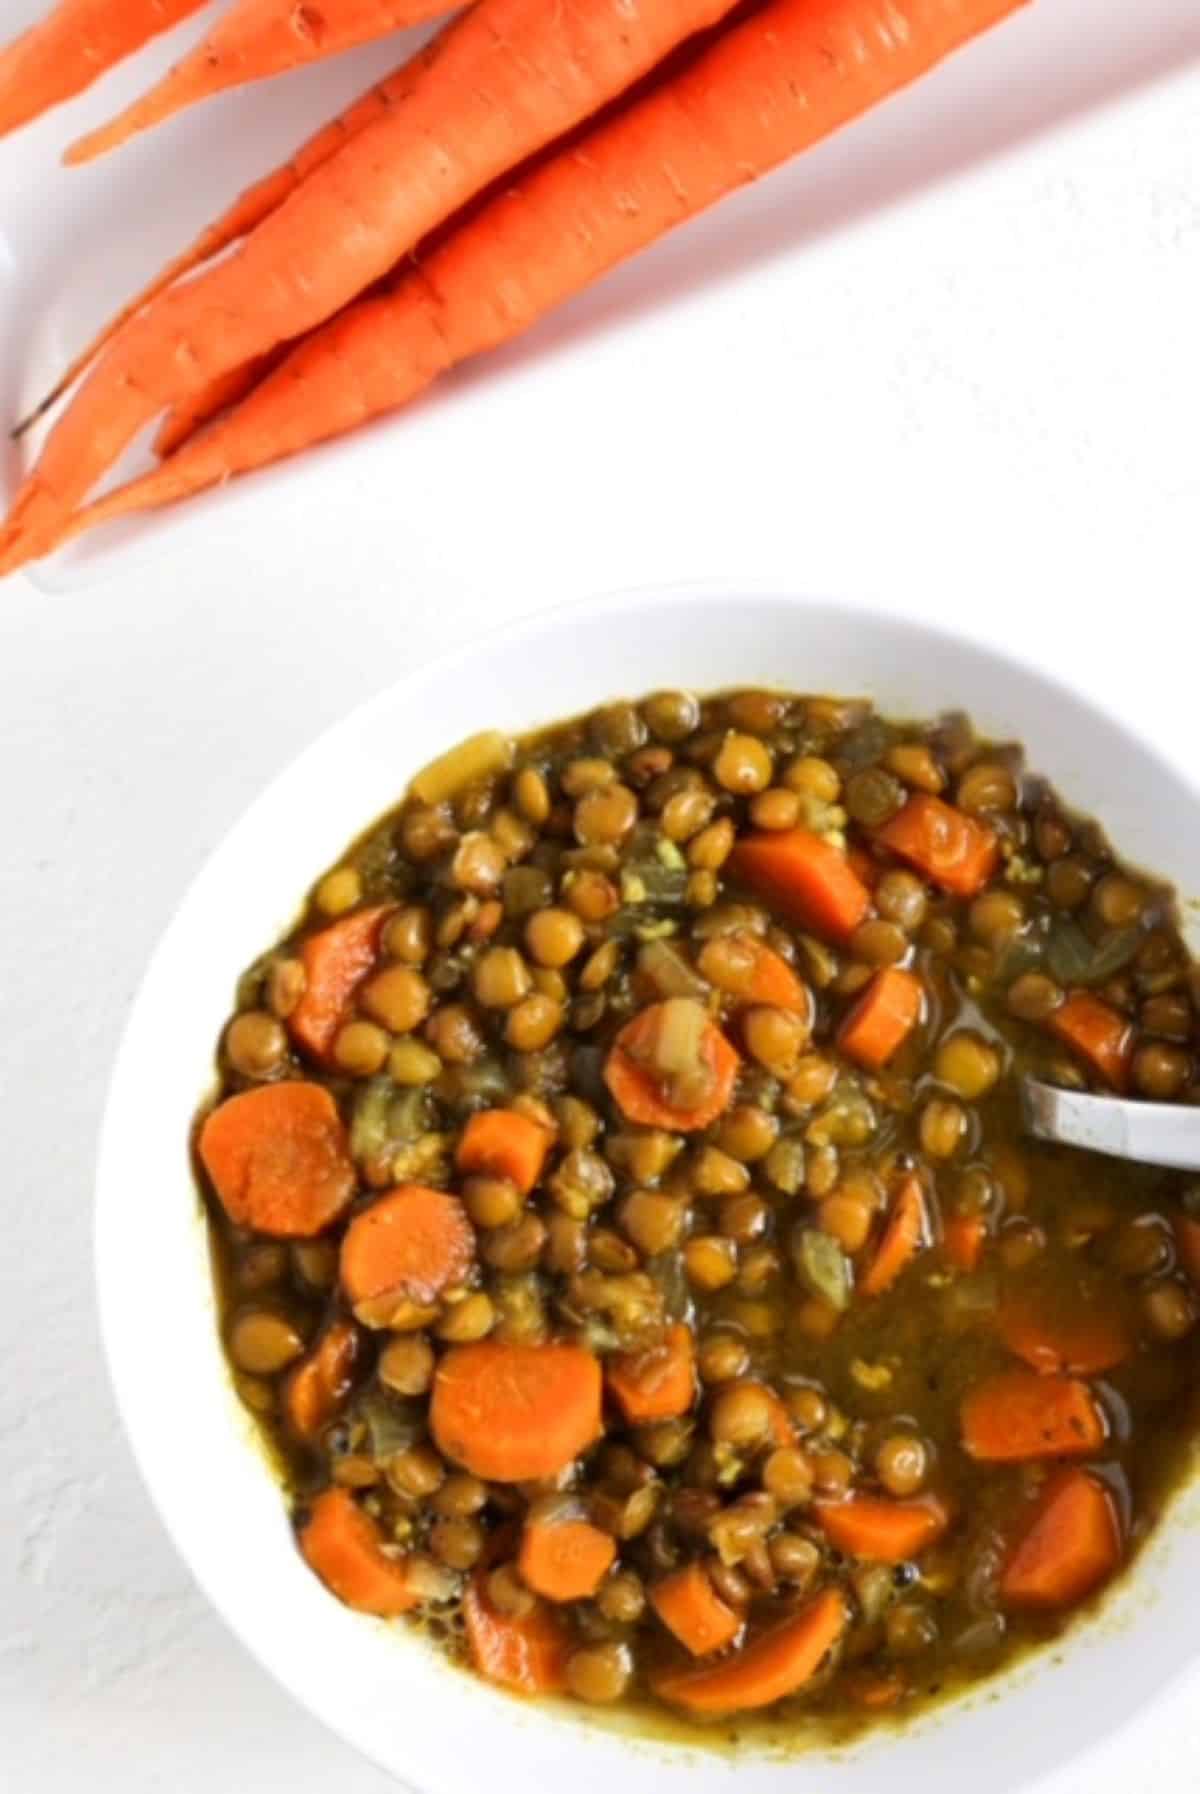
pixel 382 1688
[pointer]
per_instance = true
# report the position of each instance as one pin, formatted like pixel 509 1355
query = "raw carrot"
pixel 346 1549
pixel 279 1159
pixel 410 1246
pixel 253 40
pixel 526 1655
pixel 689 1606
pixel 1054 1333
pixel 883 1017
pixel 510 1413
pixel 565 1560
pixel 335 963
pixel 503 1143
pixel 641 1095
pixel 319 1385
pixel 808 879
pixel 883 1531
pixel 1018 1416
pixel 79 41
pixel 963 1240
pixel 768 1669
pixel 507 78
pixel 953 849
pixel 1101 1036
pixel 906 1232
pixel 183 420
pixel 659 1383
pixel 746 968
pixel 1072 1544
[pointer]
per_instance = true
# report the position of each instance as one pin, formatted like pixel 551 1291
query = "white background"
pixel 950 362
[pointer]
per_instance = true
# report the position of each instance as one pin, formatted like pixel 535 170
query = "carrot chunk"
pixel 659 1383
pixel 811 882
pixel 963 1240
pixel 689 1606
pixel 954 850
pixel 335 963
pixel 1072 1545
pixel 509 1413
pixel 1101 1036
pixel 883 1018
pixel 750 972
pixel 645 1097
pixel 769 1668
pixel 1054 1333
pixel 319 1385
pixel 503 1143
pixel 409 1246
pixel 279 1159
pixel 565 1560
pixel 1017 1416
pixel 527 1655
pixel 345 1548
pixel 906 1232
pixel 882 1531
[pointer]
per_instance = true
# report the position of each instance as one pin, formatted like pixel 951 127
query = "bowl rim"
pixel 711 592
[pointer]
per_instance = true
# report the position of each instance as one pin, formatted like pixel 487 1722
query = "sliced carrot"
pixel 1018 1416
pixel 883 1018
pixel 1187 1244
pixel 279 1159
pixel 864 868
pixel 640 1096
pixel 883 1531
pixel 746 969
pixel 526 1655
pixel 810 881
pixel 1055 1333
pixel 319 1385
pixel 951 848
pixel 565 1560
pixel 689 1606
pixel 345 1548
pixel 503 1143
pixel 1072 1544
pixel 411 1245
pixel 906 1232
pixel 1099 1034
pixel 963 1240
pixel 768 1669
pixel 335 963
pixel 510 1413
pixel 659 1383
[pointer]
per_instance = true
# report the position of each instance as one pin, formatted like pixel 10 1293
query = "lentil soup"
pixel 624 1231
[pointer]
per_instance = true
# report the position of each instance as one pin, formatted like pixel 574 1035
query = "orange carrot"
pixel 1054 1333
pixel 253 40
pixel 1018 1416
pixel 508 77
pixel 864 868
pixel 279 1159
pixel 883 1531
pixel 766 1670
pixel 183 420
pixel 1072 1544
pixel 951 848
pixel 78 42
pixel 641 1095
pixel 319 1385
pixel 565 1560
pixel 963 1240
pixel 906 1232
pixel 527 1655
pixel 335 963
pixel 503 1143
pixel 747 969
pixel 808 880
pixel 883 1018
pixel 659 1383
pixel 1099 1034
pixel 346 1549
pixel 410 1246
pixel 689 1606
pixel 510 1413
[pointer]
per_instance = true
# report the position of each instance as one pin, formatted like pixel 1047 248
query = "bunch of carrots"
pixel 529 148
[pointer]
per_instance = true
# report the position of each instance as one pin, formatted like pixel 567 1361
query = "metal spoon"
pixel 1152 1133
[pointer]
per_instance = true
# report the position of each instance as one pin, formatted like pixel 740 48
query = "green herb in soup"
pixel 625 1232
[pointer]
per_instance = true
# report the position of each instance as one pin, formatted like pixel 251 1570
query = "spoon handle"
pixel 1151 1133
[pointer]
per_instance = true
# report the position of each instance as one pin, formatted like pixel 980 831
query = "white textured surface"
pixel 982 391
